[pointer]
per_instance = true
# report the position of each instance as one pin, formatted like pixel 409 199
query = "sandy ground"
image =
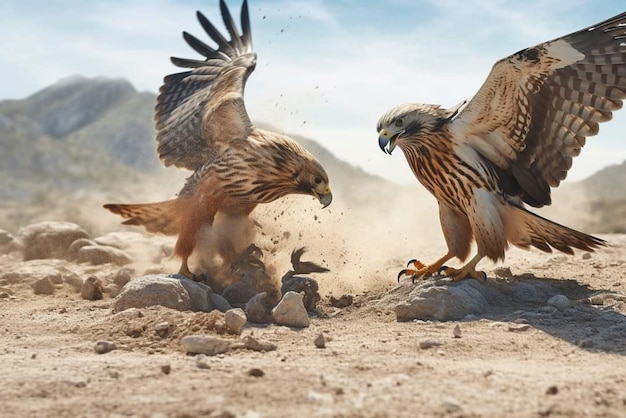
pixel 537 361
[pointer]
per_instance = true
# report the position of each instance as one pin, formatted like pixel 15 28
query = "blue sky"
pixel 327 69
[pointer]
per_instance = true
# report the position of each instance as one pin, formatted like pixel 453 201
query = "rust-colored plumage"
pixel 511 143
pixel 202 125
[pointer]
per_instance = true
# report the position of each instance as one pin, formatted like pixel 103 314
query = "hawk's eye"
pixel 399 122
pixel 317 180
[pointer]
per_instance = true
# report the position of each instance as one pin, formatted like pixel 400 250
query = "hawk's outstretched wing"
pixel 199 112
pixel 534 111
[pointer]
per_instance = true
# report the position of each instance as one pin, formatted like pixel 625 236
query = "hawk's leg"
pixel 184 270
pixel 422 271
pixel 465 272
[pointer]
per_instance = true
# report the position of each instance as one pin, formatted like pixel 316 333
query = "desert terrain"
pixel 544 335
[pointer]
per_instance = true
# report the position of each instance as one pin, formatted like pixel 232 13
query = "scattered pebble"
pixel 252 344
pixel 162 329
pixel 519 328
pixel 256 372
pixel 103 347
pixel 559 302
pixel 259 310
pixel 586 256
pixel 291 312
pixel 92 289
pixel 320 341
pixel 204 344
pixel 503 272
pixel 456 332
pixel 202 362
pixel 342 302
pixel 426 344
pixel 552 390
pixel 235 319
pixel 43 286
pixel 166 369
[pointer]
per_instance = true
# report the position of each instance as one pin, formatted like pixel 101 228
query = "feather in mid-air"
pixel 202 125
pixel 510 144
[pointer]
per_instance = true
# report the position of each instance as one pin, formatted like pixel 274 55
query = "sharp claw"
pixel 442 269
pixel 482 273
pixel 402 273
pixel 411 261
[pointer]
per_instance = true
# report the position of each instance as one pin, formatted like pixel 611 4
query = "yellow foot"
pixel 420 270
pixel 465 272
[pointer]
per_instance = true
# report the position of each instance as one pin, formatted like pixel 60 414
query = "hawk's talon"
pixel 411 261
pixel 463 273
pixel 402 273
pixel 442 270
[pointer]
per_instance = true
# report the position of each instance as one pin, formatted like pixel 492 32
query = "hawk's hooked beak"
pixel 385 139
pixel 325 197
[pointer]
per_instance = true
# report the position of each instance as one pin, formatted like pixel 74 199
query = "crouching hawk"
pixel 202 125
pixel 511 143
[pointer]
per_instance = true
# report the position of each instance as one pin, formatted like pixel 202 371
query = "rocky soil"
pixel 544 335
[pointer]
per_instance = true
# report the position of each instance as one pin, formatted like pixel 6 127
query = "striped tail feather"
pixel 159 217
pixel 544 234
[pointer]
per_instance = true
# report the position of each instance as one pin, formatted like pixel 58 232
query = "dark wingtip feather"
pixel 246 37
pixel 198 46
pixel 186 62
pixel 213 33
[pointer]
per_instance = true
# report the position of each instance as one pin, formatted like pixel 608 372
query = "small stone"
pixel 519 328
pixel 291 312
pixel 259 310
pixel 586 256
pixel 235 319
pixel 43 286
pixel 162 329
pixel 201 362
pixel 552 390
pixel 252 344
pixel 559 301
pixel 586 343
pixel 426 344
pixel 456 332
pixel 103 347
pixel 503 272
pixel 342 302
pixel 92 289
pixel 256 372
pixel 204 344
pixel 166 369
pixel 320 341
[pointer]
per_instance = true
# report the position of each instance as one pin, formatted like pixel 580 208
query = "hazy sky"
pixel 327 69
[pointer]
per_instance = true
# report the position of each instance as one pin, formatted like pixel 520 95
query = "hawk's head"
pixel 311 178
pixel 404 122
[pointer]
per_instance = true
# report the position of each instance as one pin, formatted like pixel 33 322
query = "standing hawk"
pixel 512 142
pixel 202 125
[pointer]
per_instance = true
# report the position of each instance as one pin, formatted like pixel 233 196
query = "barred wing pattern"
pixel 198 112
pixel 536 108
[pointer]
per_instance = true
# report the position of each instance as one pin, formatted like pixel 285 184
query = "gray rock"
pixel 8 243
pixel 305 285
pixel 92 289
pixel 97 254
pixel 259 309
pixel 43 286
pixel 75 281
pixel 291 312
pixel 103 347
pixel 28 272
pixel 560 302
pixel 253 344
pixel 219 302
pixel 235 319
pixel 49 239
pixel 525 292
pixel 320 341
pixel 443 300
pixel 176 292
pixel 77 245
pixel 204 344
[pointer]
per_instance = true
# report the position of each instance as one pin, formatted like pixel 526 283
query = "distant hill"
pixel 606 191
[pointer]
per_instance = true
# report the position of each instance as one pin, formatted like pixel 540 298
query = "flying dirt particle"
pixel 552 390
pixel 166 369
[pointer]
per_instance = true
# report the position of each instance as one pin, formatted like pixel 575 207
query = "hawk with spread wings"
pixel 202 125
pixel 510 144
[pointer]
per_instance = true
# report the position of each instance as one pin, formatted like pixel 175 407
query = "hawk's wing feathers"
pixel 536 108
pixel 199 112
